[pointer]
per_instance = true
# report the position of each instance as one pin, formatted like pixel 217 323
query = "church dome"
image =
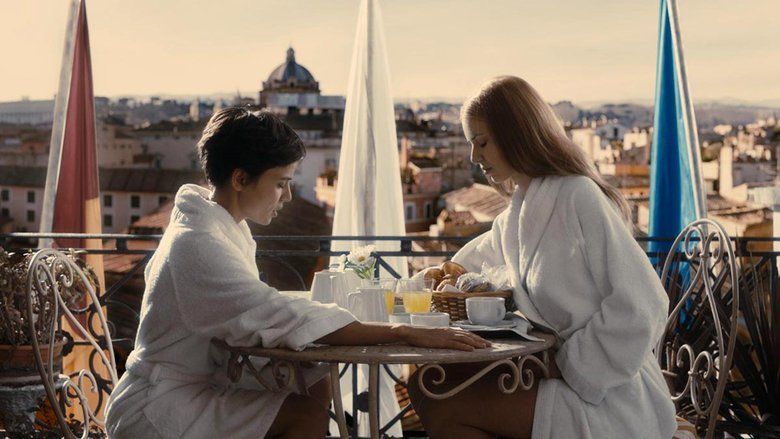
pixel 291 76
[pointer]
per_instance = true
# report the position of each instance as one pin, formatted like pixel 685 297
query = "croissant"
pixel 435 274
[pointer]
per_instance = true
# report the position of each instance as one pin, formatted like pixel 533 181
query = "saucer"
pixel 466 324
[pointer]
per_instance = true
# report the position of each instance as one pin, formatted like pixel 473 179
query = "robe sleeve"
pixel 484 248
pixel 611 348
pixel 219 296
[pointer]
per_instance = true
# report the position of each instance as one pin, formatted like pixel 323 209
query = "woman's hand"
pixel 443 338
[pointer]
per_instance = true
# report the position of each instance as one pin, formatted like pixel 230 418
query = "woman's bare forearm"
pixel 357 333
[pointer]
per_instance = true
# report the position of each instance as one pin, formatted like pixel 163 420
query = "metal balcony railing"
pixel 758 263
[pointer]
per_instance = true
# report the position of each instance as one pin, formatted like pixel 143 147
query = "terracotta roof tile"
pixel 424 162
pixel 460 218
pixel 484 202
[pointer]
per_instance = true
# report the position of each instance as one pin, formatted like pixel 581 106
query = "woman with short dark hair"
pixel 202 283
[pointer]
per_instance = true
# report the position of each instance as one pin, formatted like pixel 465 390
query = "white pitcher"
pixel 368 304
pixel 321 287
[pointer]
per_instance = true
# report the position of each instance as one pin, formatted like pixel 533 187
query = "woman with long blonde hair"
pixel 575 270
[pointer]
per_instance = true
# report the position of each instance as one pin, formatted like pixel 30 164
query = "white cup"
pixel 368 304
pixel 485 310
pixel 430 319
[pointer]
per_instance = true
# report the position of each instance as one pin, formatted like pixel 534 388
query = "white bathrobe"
pixel 203 283
pixel 576 269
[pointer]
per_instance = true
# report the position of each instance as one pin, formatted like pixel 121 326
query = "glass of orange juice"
pixel 416 294
pixel 388 285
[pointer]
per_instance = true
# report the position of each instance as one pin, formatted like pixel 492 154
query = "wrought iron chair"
pixel 701 276
pixel 52 312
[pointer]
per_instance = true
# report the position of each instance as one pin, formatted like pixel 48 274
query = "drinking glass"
pixel 388 285
pixel 416 294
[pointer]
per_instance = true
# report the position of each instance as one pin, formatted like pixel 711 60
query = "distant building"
pixel 29 146
pixel 466 212
pixel 611 131
pixel 24 146
pixel 116 144
pixel 481 201
pixel 292 88
pixel 169 145
pixel 596 148
pixel 740 219
pixel 769 197
pixel 452 152
pixel 736 177
pixel 202 110
pixel 125 194
pixel 637 138
pixel 27 112
pixel 421 183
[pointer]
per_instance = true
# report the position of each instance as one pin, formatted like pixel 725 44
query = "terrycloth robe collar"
pixel 527 219
pixel 194 209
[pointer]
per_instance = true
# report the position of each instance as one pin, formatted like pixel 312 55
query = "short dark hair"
pixel 237 138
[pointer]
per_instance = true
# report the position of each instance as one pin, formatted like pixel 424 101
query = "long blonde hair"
pixel 529 134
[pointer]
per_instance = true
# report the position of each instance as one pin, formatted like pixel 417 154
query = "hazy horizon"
pixel 568 50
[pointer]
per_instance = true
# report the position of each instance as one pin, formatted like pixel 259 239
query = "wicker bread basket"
pixel 454 304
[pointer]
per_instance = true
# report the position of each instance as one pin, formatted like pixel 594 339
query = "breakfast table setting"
pixel 364 378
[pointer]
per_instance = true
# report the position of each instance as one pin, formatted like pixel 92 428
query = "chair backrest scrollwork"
pixel 51 275
pixel 695 352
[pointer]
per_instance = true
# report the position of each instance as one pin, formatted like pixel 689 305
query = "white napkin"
pixel 523 326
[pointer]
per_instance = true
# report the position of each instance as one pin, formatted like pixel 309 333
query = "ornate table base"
pixel 520 376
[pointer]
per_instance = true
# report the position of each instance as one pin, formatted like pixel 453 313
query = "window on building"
pixel 428 210
pixel 135 201
pixel 30 216
pixel 30 196
pixel 134 218
pixel 5 195
pixel 4 213
pixel 108 200
pixel 409 211
pixel 108 221
pixel 161 200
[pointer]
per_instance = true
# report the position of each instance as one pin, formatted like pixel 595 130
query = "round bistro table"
pixel 284 364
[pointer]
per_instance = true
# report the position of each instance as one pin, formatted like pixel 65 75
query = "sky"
pixel 579 50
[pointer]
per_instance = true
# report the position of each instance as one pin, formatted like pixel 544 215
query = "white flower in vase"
pixel 361 260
